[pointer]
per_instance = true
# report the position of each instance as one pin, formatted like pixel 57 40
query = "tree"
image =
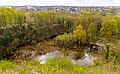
pixel 9 16
pixel 92 30
pixel 80 34
pixel 118 22
pixel 29 18
pixel 20 18
pixel 109 28
pixel 76 23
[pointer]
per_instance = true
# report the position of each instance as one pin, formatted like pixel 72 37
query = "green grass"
pixel 53 66
pixel 116 39
pixel 4 64
pixel 60 65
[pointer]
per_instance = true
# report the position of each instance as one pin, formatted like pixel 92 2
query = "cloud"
pixel 62 2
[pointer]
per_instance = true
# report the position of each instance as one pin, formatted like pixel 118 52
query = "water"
pixel 51 55
pixel 87 60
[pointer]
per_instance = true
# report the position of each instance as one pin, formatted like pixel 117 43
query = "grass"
pixel 4 64
pixel 60 65
pixel 109 68
pixel 56 66
pixel 115 39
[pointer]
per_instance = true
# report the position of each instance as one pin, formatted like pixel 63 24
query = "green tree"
pixel 20 18
pixel 29 18
pixel 92 30
pixel 118 22
pixel 109 28
pixel 80 34
pixel 38 18
pixel 76 23
pixel 9 15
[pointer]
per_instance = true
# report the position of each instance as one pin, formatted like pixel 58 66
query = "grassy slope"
pixel 57 66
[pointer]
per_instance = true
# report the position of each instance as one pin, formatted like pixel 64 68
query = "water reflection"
pixel 86 60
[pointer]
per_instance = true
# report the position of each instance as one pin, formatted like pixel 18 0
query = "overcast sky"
pixel 61 2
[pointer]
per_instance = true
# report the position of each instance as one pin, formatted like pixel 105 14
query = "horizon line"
pixel 68 5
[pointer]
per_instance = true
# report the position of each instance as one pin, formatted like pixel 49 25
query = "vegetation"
pixel 109 28
pixel 56 66
pixel 64 30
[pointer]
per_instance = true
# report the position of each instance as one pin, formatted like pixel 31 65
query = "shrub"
pixel 5 39
pixel 65 40
pixel 12 38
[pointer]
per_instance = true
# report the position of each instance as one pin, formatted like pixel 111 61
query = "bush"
pixel 65 40
pixel 5 39
pixel 12 38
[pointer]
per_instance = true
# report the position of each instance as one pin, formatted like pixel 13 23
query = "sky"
pixel 60 2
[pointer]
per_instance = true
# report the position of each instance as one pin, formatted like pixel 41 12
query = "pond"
pixel 86 60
